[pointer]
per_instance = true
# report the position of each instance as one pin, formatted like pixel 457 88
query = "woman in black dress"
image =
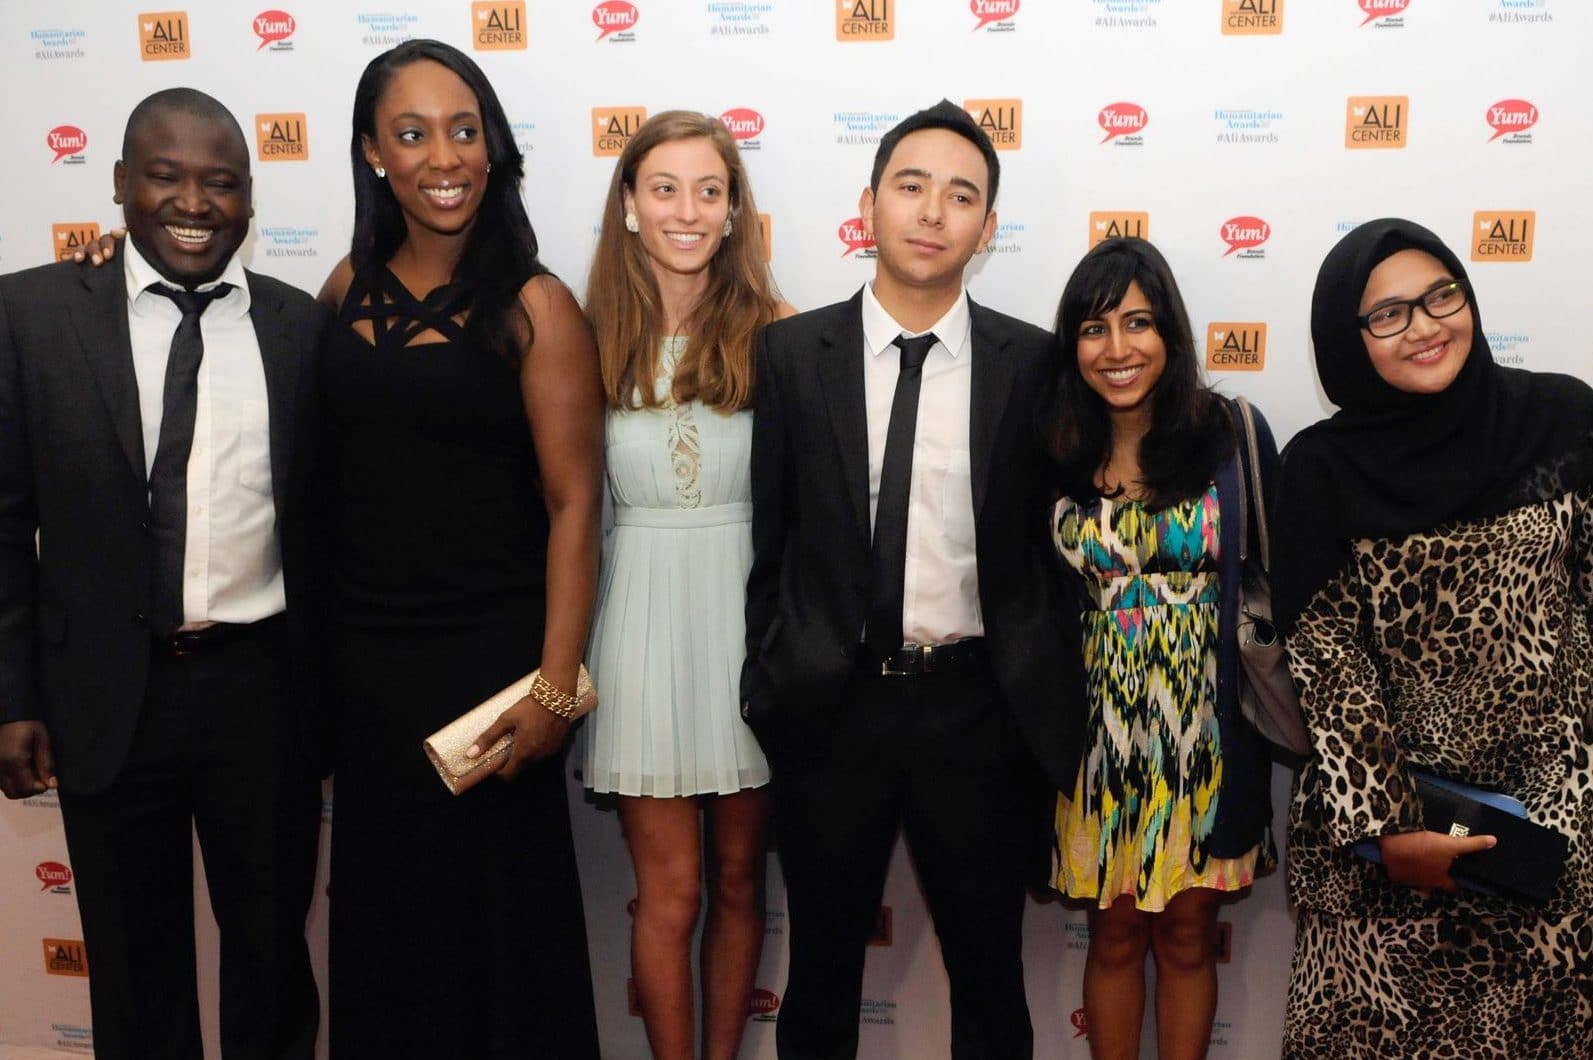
pixel 463 459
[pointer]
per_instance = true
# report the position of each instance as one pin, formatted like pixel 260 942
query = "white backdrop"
pixel 1242 136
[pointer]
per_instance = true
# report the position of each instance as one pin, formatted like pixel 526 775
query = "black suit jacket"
pixel 807 596
pixel 74 641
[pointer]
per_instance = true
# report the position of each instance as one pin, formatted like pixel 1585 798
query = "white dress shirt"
pixel 940 597
pixel 232 562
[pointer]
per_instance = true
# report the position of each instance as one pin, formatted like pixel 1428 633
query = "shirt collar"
pixel 880 328
pixel 141 274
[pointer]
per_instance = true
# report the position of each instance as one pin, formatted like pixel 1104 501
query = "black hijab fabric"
pixel 1390 463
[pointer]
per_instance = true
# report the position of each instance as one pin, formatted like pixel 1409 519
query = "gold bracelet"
pixel 556 701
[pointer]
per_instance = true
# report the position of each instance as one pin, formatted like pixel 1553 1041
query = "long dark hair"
pixel 500 253
pixel 1189 433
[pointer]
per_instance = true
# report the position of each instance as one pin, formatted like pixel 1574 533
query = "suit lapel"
pixel 103 332
pixel 280 352
pixel 840 368
pixel 992 388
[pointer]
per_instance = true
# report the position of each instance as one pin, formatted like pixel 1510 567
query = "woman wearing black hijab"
pixel 1434 573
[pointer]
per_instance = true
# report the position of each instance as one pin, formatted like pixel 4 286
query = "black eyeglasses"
pixel 1389 320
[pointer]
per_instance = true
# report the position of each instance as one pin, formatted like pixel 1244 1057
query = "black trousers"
pixel 938 757
pixel 215 753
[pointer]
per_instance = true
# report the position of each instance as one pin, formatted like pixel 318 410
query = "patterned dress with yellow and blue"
pixel 1139 819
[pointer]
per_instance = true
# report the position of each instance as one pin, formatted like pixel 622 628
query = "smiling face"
pixel 1122 355
pixel 681 199
pixel 429 139
pixel 1427 356
pixel 185 193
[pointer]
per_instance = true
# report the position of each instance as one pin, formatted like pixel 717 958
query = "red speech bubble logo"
pixel 1121 119
pixel 743 123
pixel 1511 116
pixel 1081 1024
pixel 854 235
pixel 1376 9
pixel 272 26
pixel 1241 233
pixel 988 11
pixel 763 1002
pixel 65 140
pixel 53 874
pixel 614 16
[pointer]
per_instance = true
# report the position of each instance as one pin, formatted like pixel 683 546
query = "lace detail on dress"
pixel 685 446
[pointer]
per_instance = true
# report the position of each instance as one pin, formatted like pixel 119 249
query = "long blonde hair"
pixel 626 309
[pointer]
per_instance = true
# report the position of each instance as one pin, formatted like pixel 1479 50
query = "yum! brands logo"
pixel 68 142
pixel 995 16
pixel 498 27
pixel 163 35
pixel 274 28
pixel 1376 122
pixel 1114 224
pixel 865 20
pixel 763 1006
pixel 1080 1022
pixel 1123 123
pixel 613 127
pixel 1389 14
pixel 1252 17
pixel 1236 347
pixel 65 957
pixel 616 20
pixel 281 138
pixel 54 876
pixel 857 239
pixel 1245 235
pixel 1510 119
pixel 1503 235
pixel 68 237
pixel 746 125
pixel 1001 119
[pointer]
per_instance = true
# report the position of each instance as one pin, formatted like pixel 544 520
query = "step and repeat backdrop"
pixel 1243 136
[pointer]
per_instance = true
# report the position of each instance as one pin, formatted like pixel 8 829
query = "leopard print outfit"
pixel 1465 651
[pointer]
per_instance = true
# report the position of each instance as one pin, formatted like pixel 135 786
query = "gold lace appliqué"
pixel 685 446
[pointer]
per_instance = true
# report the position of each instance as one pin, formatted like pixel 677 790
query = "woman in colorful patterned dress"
pixel 1434 580
pixel 678 291
pixel 1170 809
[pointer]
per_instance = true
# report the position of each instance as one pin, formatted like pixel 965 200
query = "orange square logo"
pixel 1107 224
pixel 163 35
pixel 1236 347
pixel 1001 119
pixel 281 138
pixel 865 20
pixel 1376 122
pixel 1503 235
pixel 498 27
pixel 766 229
pixel 65 957
pixel 613 127
pixel 68 237
pixel 1248 18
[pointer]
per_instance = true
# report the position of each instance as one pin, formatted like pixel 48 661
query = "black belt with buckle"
pixel 913 660
pixel 186 642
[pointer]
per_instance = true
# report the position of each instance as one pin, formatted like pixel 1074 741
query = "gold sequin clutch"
pixel 447 746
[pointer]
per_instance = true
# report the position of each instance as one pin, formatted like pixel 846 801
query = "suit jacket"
pixel 75 643
pixel 807 595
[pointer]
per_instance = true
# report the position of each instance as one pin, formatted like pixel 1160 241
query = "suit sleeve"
pixel 19 523
pixel 771 511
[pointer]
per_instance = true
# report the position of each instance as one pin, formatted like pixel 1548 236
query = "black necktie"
pixel 168 475
pixel 887 561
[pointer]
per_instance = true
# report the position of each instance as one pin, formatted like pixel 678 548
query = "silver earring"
pixel 381 174
pixel 489 167
pixel 729 227
pixel 631 223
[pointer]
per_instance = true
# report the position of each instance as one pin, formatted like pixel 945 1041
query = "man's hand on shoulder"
pixel 27 763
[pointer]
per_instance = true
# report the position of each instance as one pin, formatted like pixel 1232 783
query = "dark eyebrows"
pixel 661 175
pixel 464 115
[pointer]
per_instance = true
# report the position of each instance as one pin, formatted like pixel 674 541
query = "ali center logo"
pixel 616 21
pixel 65 957
pixel 859 242
pixel 1244 236
pixel 613 127
pixel 1123 123
pixel 274 27
pixel 163 35
pixel 1236 347
pixel 68 237
pixel 54 876
pixel 498 27
pixel 281 138
pixel 1503 235
pixel 746 125
pixel 1112 224
pixel 1252 17
pixel 995 16
pixel 1001 119
pixel 68 142
pixel 1510 119
pixel 1376 122
pixel 865 20
pixel 1388 14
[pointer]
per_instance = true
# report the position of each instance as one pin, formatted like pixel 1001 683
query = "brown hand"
pixel 538 733
pixel 27 763
pixel 102 251
pixel 1423 860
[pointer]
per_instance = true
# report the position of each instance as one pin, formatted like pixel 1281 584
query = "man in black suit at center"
pixel 152 540
pixel 904 655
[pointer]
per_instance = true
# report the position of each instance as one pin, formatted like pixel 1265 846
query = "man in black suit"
pixel 151 541
pixel 904 655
